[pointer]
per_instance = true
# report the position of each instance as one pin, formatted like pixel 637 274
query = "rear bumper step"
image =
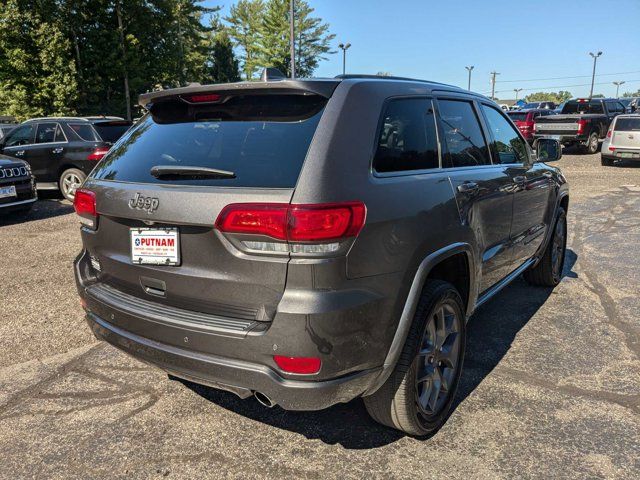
pixel 237 376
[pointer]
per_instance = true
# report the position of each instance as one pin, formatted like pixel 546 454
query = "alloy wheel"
pixel 438 359
pixel 70 183
pixel 558 247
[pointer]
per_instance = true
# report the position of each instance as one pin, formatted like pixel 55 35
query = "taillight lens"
pixel 203 98
pixel 609 133
pixel 299 365
pixel 581 125
pixel 98 153
pixel 84 203
pixel 296 224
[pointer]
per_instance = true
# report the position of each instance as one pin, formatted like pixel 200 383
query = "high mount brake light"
pixel 203 98
pixel 294 223
pixel 84 203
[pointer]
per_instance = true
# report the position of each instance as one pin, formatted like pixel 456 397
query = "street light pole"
pixel 593 76
pixel 469 68
pixel 293 39
pixel 617 84
pixel 493 84
pixel 344 48
pixel 517 90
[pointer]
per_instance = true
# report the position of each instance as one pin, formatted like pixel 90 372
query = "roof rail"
pixel 388 77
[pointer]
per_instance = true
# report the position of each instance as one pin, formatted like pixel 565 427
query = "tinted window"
pixel 262 140
pixel 85 131
pixel 462 134
pixel 60 136
pixel 518 116
pixel 47 132
pixel 507 144
pixel 583 107
pixel 407 138
pixel 111 132
pixel 22 135
pixel 627 124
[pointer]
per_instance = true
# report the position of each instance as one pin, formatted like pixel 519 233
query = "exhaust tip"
pixel 264 400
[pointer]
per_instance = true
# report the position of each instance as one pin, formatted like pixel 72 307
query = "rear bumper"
pixel 622 154
pixel 237 355
pixel 563 139
pixel 237 376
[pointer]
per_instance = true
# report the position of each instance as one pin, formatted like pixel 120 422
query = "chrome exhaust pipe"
pixel 264 400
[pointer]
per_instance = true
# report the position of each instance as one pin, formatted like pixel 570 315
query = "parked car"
pixel 634 105
pixel 244 236
pixel 539 105
pixel 623 140
pixel 626 102
pixel 525 121
pixel 582 122
pixel 17 186
pixel 7 123
pixel 63 150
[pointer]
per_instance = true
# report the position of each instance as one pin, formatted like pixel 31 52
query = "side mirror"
pixel 548 150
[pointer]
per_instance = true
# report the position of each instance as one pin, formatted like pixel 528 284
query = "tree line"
pixel 92 57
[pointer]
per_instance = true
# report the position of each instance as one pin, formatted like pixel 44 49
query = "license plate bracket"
pixel 155 246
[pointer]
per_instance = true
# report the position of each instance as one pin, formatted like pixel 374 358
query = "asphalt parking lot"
pixel 551 386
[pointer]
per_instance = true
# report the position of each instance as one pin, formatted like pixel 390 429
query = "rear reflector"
pixel 98 153
pixel 84 203
pixel 294 223
pixel 300 365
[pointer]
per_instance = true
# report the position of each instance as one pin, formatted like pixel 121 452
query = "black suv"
pixel 312 241
pixel 17 186
pixel 63 150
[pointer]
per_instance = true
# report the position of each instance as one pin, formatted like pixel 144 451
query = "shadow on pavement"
pixel 491 330
pixel 42 209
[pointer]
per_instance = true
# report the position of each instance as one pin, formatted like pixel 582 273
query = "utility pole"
pixel 293 38
pixel 593 76
pixel 123 51
pixel 344 48
pixel 493 84
pixel 469 68
pixel 617 84
pixel 517 90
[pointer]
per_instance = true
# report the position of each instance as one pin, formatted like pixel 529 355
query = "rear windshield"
pixel 111 132
pixel 628 125
pixel 582 107
pixel 531 105
pixel 262 139
pixel 518 116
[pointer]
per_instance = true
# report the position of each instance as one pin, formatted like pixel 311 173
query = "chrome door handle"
pixel 520 179
pixel 19 153
pixel 57 150
pixel 468 187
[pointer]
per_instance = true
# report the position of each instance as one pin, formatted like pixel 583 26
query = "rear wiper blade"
pixel 186 171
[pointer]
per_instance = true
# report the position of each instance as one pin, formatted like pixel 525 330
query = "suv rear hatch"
pixel 174 172
pixel 626 134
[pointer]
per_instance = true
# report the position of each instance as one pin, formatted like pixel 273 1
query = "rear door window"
pixel 262 139
pixel 508 146
pixel 407 139
pixel 49 133
pixel 466 145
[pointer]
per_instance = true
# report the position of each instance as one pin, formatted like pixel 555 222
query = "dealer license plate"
pixel 9 191
pixel 153 246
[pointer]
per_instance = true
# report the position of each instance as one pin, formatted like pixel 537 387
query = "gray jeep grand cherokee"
pixel 313 241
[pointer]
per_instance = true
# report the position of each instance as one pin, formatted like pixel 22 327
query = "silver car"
pixel 623 139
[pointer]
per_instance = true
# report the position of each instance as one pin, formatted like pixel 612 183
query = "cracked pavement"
pixel 551 385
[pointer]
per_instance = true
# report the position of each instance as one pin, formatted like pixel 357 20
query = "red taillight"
pixel 612 149
pixel 581 124
pixel 98 153
pixel 300 365
pixel 295 223
pixel 203 98
pixel 84 203
pixel 609 133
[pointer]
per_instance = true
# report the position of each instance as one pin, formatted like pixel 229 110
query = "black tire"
pixel 398 402
pixel 70 180
pixel 548 271
pixel 606 162
pixel 592 144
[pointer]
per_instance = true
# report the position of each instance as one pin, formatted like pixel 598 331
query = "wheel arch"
pixel 433 266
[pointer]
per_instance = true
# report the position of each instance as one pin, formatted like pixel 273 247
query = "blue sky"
pixel 523 40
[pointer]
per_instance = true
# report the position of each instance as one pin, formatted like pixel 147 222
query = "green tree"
pixel 632 94
pixel 244 20
pixel 557 97
pixel 224 64
pixel 37 72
